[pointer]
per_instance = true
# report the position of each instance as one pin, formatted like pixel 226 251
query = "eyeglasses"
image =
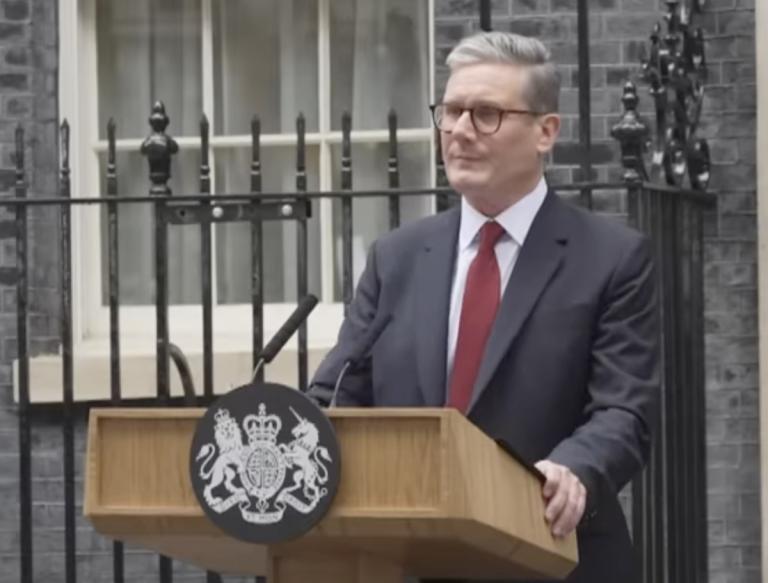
pixel 486 119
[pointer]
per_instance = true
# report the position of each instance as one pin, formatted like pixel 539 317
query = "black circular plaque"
pixel 265 463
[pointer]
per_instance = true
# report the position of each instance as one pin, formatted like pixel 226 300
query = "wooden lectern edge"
pixel 564 551
pixel 91 463
pixel 185 511
pixel 558 561
pixel 343 412
pixel 546 561
pixel 97 413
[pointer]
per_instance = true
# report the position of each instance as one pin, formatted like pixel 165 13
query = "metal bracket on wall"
pixel 229 212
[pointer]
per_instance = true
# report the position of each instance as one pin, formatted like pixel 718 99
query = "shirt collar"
pixel 516 219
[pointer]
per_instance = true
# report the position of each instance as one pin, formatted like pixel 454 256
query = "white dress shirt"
pixel 516 221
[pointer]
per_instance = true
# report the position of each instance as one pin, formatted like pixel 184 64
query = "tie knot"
pixel 490 234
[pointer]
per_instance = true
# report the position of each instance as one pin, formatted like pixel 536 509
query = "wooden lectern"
pixel 423 492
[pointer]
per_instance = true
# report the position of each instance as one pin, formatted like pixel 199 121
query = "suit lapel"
pixel 538 261
pixel 434 276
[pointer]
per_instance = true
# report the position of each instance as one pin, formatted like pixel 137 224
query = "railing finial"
pixel 159 147
pixel 675 70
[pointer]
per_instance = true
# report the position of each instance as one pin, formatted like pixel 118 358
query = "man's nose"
pixel 464 126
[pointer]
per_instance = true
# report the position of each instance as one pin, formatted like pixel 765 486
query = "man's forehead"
pixel 490 82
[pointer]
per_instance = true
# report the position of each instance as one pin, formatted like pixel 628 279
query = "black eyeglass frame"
pixel 501 113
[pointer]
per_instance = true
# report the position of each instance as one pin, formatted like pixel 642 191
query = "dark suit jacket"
pixel 570 372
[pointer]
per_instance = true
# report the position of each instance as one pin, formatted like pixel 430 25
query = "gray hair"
pixel 542 93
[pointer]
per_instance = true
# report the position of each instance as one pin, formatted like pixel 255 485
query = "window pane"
pixel 379 61
pixel 370 216
pixel 233 240
pixel 149 50
pixel 265 64
pixel 137 235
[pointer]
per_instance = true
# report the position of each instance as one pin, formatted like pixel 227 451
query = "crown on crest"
pixel 223 417
pixel 262 427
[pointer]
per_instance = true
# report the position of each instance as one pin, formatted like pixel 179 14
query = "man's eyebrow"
pixel 473 104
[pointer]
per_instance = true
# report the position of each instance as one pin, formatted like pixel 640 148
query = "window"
pixel 233 59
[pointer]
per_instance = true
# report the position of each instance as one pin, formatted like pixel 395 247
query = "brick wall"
pixel 618 29
pixel 28 79
pixel 731 299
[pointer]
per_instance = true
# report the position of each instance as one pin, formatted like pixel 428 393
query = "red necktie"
pixel 478 310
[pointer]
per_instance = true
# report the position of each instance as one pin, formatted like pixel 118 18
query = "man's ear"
pixel 549 129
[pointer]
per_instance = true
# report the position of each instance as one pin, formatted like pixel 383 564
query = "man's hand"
pixel 565 497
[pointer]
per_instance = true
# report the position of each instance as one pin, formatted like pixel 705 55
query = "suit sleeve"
pixel 623 392
pixel 356 388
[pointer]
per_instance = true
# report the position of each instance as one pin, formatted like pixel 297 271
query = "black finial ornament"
pixel 675 71
pixel 158 148
pixel 632 133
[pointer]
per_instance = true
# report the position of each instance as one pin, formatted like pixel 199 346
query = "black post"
pixel 641 485
pixel 485 15
pixel 443 201
pixel 640 526
pixel 205 264
pixel 113 264
pixel 648 488
pixel 302 251
pixel 686 485
pixel 656 508
pixel 699 509
pixel 585 101
pixel 672 394
pixel 257 263
pixel 393 171
pixel 65 290
pixel 205 281
pixel 257 253
pixel 346 209
pixel 113 267
pixel 22 291
pixel 158 148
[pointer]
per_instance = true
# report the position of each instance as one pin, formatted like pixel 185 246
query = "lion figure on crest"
pixel 229 440
pixel 307 456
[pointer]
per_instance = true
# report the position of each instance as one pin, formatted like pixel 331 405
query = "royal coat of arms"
pixel 263 477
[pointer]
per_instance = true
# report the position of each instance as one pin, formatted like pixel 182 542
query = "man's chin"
pixel 466 183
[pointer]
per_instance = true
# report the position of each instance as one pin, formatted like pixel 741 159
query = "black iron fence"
pixel 668 501
pixel 669 505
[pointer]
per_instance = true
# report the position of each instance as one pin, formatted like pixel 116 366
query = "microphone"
pixel 296 319
pixel 361 351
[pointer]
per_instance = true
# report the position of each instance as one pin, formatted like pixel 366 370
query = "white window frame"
pixel 78 102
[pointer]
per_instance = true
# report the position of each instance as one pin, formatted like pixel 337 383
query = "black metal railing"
pixel 669 507
pixel 668 501
pixel 669 517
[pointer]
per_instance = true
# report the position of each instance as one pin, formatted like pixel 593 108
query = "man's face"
pixel 489 169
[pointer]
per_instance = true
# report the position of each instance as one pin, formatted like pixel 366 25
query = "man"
pixel 534 318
